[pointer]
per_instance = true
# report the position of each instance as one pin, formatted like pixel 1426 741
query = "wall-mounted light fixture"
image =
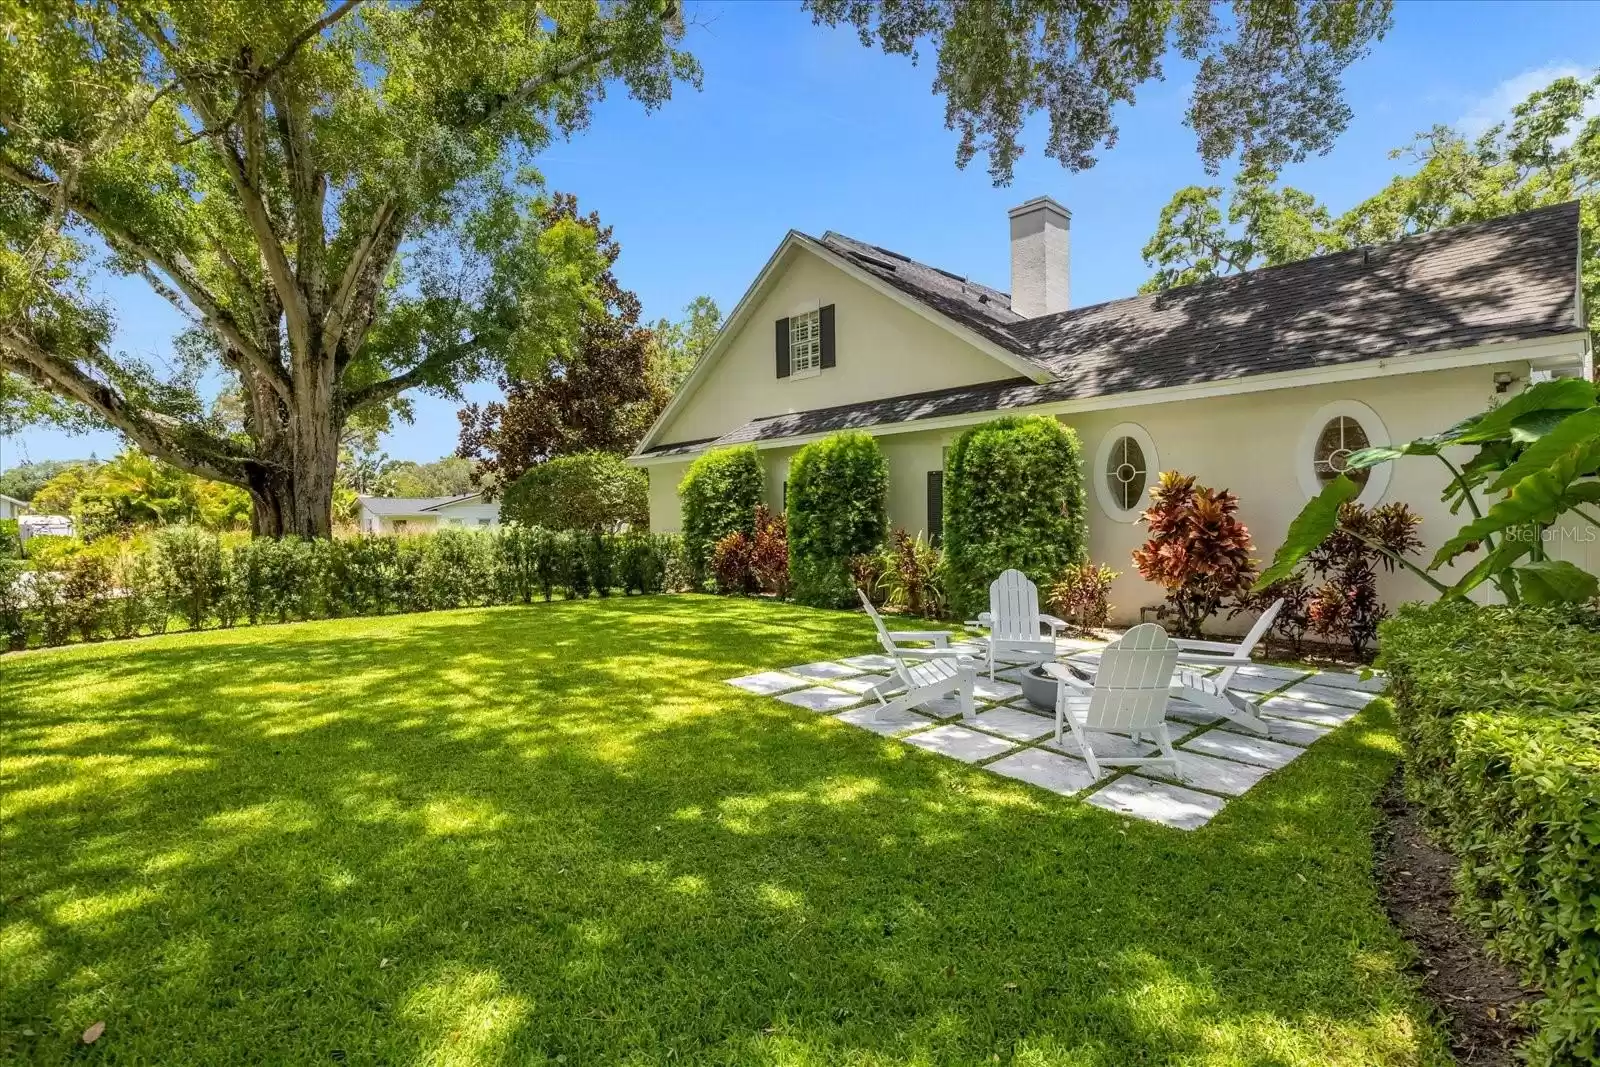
pixel 1503 380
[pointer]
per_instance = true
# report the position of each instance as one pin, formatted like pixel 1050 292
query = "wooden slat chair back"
pixel 1017 628
pixel 1133 684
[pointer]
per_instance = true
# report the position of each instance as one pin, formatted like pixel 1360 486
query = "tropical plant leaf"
pixel 1536 424
pixel 1561 394
pixel 1309 529
pixel 1538 498
pixel 1578 433
pixel 1556 581
pixel 1508 551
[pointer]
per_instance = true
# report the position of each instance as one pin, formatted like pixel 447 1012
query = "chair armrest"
pixel 1056 625
pixel 940 638
pixel 1061 674
pixel 929 653
pixel 1208 659
pixel 1185 645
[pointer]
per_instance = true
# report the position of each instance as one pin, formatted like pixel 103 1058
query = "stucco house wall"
pixel 884 350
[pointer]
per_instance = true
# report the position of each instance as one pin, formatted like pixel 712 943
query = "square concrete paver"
pixel 1169 805
pixel 824 670
pixel 1110 746
pixel 1344 698
pixel 1193 713
pixel 996 691
pixel 1047 770
pixel 1376 684
pixel 1211 774
pixel 958 742
pixel 1281 675
pixel 1316 712
pixel 769 682
pixel 1256 684
pixel 1301 734
pixel 875 661
pixel 862 682
pixel 942 708
pixel 1256 750
pixel 821 699
pixel 1017 725
pixel 890 724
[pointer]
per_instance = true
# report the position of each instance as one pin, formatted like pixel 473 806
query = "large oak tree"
pixel 328 192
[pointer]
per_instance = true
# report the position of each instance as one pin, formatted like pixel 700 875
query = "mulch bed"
pixel 1480 998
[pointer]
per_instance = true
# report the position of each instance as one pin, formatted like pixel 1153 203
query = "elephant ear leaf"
pixel 1555 581
pixel 1309 529
pixel 1538 498
pixel 1507 552
pixel 1560 394
pixel 1579 434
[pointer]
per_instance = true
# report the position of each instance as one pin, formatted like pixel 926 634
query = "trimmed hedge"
pixel 586 491
pixel 719 493
pixel 838 507
pixel 1499 712
pixel 1013 497
pixel 192 575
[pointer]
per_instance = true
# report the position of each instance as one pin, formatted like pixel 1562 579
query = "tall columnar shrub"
pixel 1013 498
pixel 719 494
pixel 837 508
pixel 1499 715
pixel 191 566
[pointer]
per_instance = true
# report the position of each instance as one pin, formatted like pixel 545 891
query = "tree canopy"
pixel 1548 153
pixel 1268 85
pixel 330 193
pixel 600 394
pixel 134 491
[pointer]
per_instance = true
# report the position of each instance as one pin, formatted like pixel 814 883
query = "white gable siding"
pixel 883 350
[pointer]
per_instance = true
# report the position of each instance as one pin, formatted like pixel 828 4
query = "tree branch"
pixel 370 258
pixel 175 266
pixel 389 388
pixel 184 446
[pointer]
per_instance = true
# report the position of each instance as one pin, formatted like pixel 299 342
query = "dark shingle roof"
pixel 985 311
pixel 1508 279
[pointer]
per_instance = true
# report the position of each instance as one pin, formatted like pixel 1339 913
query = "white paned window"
pixel 805 342
pixel 1334 432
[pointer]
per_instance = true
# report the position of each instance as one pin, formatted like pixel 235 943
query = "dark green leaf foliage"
pixel 1013 497
pixel 191 574
pixel 10 541
pixel 837 508
pixel 912 577
pixel 1267 86
pixel 589 491
pixel 719 493
pixel 1499 711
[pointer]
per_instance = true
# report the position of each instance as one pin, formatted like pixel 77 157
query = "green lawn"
pixel 553 835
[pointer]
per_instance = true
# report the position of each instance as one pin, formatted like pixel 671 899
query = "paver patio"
pixel 1218 760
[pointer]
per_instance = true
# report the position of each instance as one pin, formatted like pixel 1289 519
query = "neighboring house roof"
pixel 386 506
pixel 1507 279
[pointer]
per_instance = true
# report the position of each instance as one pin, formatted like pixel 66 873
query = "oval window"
pixel 1126 473
pixel 1341 436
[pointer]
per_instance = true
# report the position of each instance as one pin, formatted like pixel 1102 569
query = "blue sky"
pixel 799 126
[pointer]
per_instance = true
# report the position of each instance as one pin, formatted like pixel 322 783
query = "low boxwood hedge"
pixel 1499 711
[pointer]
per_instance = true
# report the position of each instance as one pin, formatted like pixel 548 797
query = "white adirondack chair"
pixel 926 673
pixel 1214 692
pixel 1129 695
pixel 1018 630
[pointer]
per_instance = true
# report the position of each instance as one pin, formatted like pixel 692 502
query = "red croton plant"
pixel 1198 550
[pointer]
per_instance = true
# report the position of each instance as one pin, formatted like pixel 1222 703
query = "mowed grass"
pixel 554 835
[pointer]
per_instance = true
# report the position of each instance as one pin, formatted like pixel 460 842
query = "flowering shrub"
pixel 1198 550
pixel 1081 595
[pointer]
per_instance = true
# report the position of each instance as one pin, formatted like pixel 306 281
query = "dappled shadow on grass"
pixel 525 832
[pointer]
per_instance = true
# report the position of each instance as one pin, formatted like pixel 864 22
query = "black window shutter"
pixel 783 348
pixel 935 507
pixel 825 320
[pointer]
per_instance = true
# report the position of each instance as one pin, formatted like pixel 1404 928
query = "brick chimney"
pixel 1040 257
